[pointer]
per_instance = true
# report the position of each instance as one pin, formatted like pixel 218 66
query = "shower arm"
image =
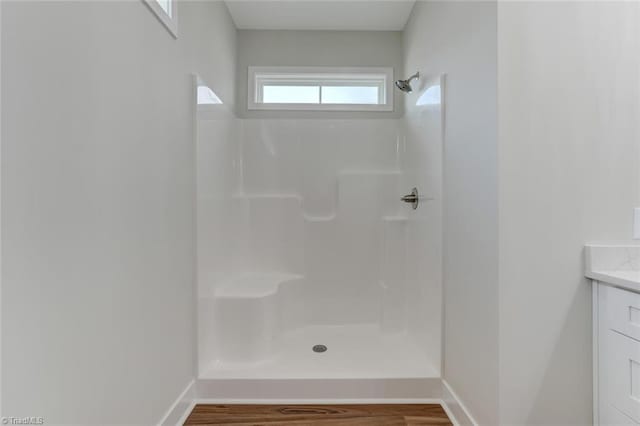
pixel 413 77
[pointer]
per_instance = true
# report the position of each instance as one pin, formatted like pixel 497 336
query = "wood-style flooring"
pixel 320 415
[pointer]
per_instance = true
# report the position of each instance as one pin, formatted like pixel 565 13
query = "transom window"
pixel 328 89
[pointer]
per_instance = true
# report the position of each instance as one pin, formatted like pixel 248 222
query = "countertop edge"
pixel 605 278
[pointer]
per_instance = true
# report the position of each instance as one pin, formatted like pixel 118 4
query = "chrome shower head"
pixel 405 85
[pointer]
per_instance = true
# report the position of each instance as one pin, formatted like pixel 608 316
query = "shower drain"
pixel 319 348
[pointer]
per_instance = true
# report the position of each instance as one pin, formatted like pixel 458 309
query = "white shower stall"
pixel 303 240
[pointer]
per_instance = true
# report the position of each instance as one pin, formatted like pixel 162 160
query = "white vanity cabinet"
pixel 616 355
pixel 615 274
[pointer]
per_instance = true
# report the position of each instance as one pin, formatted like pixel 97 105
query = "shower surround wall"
pixel 318 251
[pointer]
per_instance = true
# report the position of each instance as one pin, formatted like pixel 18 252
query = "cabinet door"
pixel 620 374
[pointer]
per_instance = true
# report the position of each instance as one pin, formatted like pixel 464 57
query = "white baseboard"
pixel 278 392
pixel 181 407
pixel 456 410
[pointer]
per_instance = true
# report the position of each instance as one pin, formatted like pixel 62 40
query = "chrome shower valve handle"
pixel 412 198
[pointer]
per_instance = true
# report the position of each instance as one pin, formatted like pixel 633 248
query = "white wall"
pixel 459 39
pixel 569 104
pixel 318 48
pixel 98 204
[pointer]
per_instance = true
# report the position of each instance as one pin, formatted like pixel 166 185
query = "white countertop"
pixel 629 280
pixel 615 264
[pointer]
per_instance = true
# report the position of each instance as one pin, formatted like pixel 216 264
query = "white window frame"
pixel 258 76
pixel 170 22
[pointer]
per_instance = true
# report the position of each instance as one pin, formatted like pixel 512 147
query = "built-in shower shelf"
pixel 369 172
pixel 254 285
pixel 294 200
pixel 394 219
pixel 254 196
pixel 316 219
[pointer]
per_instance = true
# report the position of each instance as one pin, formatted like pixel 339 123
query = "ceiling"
pixel 347 15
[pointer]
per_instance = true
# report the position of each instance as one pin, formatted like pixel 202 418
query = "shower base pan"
pixel 352 352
